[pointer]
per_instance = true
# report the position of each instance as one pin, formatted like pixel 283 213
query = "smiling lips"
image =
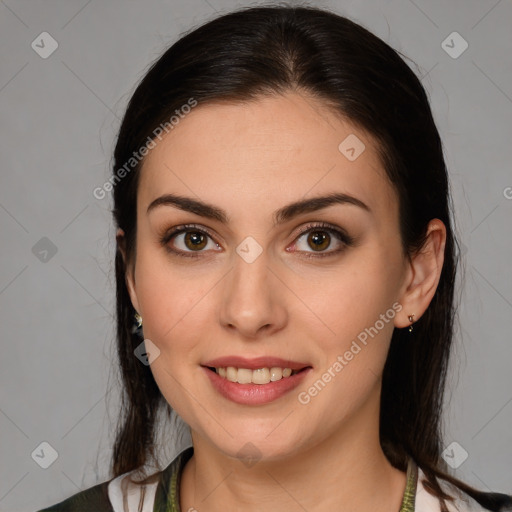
pixel 254 381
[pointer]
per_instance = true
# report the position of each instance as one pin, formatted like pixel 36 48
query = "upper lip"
pixel 254 364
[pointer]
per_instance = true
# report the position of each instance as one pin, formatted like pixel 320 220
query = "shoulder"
pixel 122 494
pixel 95 498
pixel 115 495
pixel 462 502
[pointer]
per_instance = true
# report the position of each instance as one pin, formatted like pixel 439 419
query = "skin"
pixel 251 159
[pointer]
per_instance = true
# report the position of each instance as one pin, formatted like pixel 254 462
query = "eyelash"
pixel 343 237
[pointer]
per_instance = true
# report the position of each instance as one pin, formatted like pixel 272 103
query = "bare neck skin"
pixel 347 471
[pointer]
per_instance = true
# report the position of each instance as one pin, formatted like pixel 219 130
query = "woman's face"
pixel 254 278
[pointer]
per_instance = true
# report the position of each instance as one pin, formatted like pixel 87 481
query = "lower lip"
pixel 255 394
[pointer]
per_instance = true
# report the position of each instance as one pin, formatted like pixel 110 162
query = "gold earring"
pixel 411 319
pixel 138 320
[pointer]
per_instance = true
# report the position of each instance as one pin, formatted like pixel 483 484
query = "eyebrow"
pixel 280 216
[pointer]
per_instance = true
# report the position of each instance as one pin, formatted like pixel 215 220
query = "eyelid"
pixel 175 230
pixel 340 234
pixel 323 226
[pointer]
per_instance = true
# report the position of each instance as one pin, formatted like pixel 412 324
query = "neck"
pixel 346 471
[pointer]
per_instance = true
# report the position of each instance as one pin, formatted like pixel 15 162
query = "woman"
pixel 286 252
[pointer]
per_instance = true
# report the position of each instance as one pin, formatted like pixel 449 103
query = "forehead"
pixel 275 149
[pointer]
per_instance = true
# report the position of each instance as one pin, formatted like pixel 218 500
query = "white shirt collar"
pixel 120 489
pixel 425 502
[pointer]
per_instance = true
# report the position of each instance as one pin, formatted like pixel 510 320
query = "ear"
pixel 423 274
pixel 129 269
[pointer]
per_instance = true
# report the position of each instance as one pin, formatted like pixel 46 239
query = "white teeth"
pixel 231 374
pixel 244 376
pixel 276 374
pixel 259 376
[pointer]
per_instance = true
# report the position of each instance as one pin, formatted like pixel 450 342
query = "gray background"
pixel 59 119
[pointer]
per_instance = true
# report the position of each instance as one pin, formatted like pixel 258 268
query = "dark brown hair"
pixel 258 51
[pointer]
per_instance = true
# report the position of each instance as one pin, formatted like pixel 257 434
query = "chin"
pixel 251 447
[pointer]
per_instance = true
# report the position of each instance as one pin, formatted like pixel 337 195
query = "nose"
pixel 253 299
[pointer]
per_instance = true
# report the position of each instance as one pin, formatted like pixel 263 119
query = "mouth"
pixel 258 376
pixel 263 382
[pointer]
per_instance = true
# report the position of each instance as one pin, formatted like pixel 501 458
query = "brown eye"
pixel 319 240
pixel 195 240
pixel 189 241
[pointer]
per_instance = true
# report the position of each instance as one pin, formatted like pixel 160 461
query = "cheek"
pixel 354 296
pixel 172 311
pixel 166 294
pixel 358 306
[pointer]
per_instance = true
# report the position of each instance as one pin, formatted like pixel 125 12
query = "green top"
pixel 410 487
pixel 167 497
